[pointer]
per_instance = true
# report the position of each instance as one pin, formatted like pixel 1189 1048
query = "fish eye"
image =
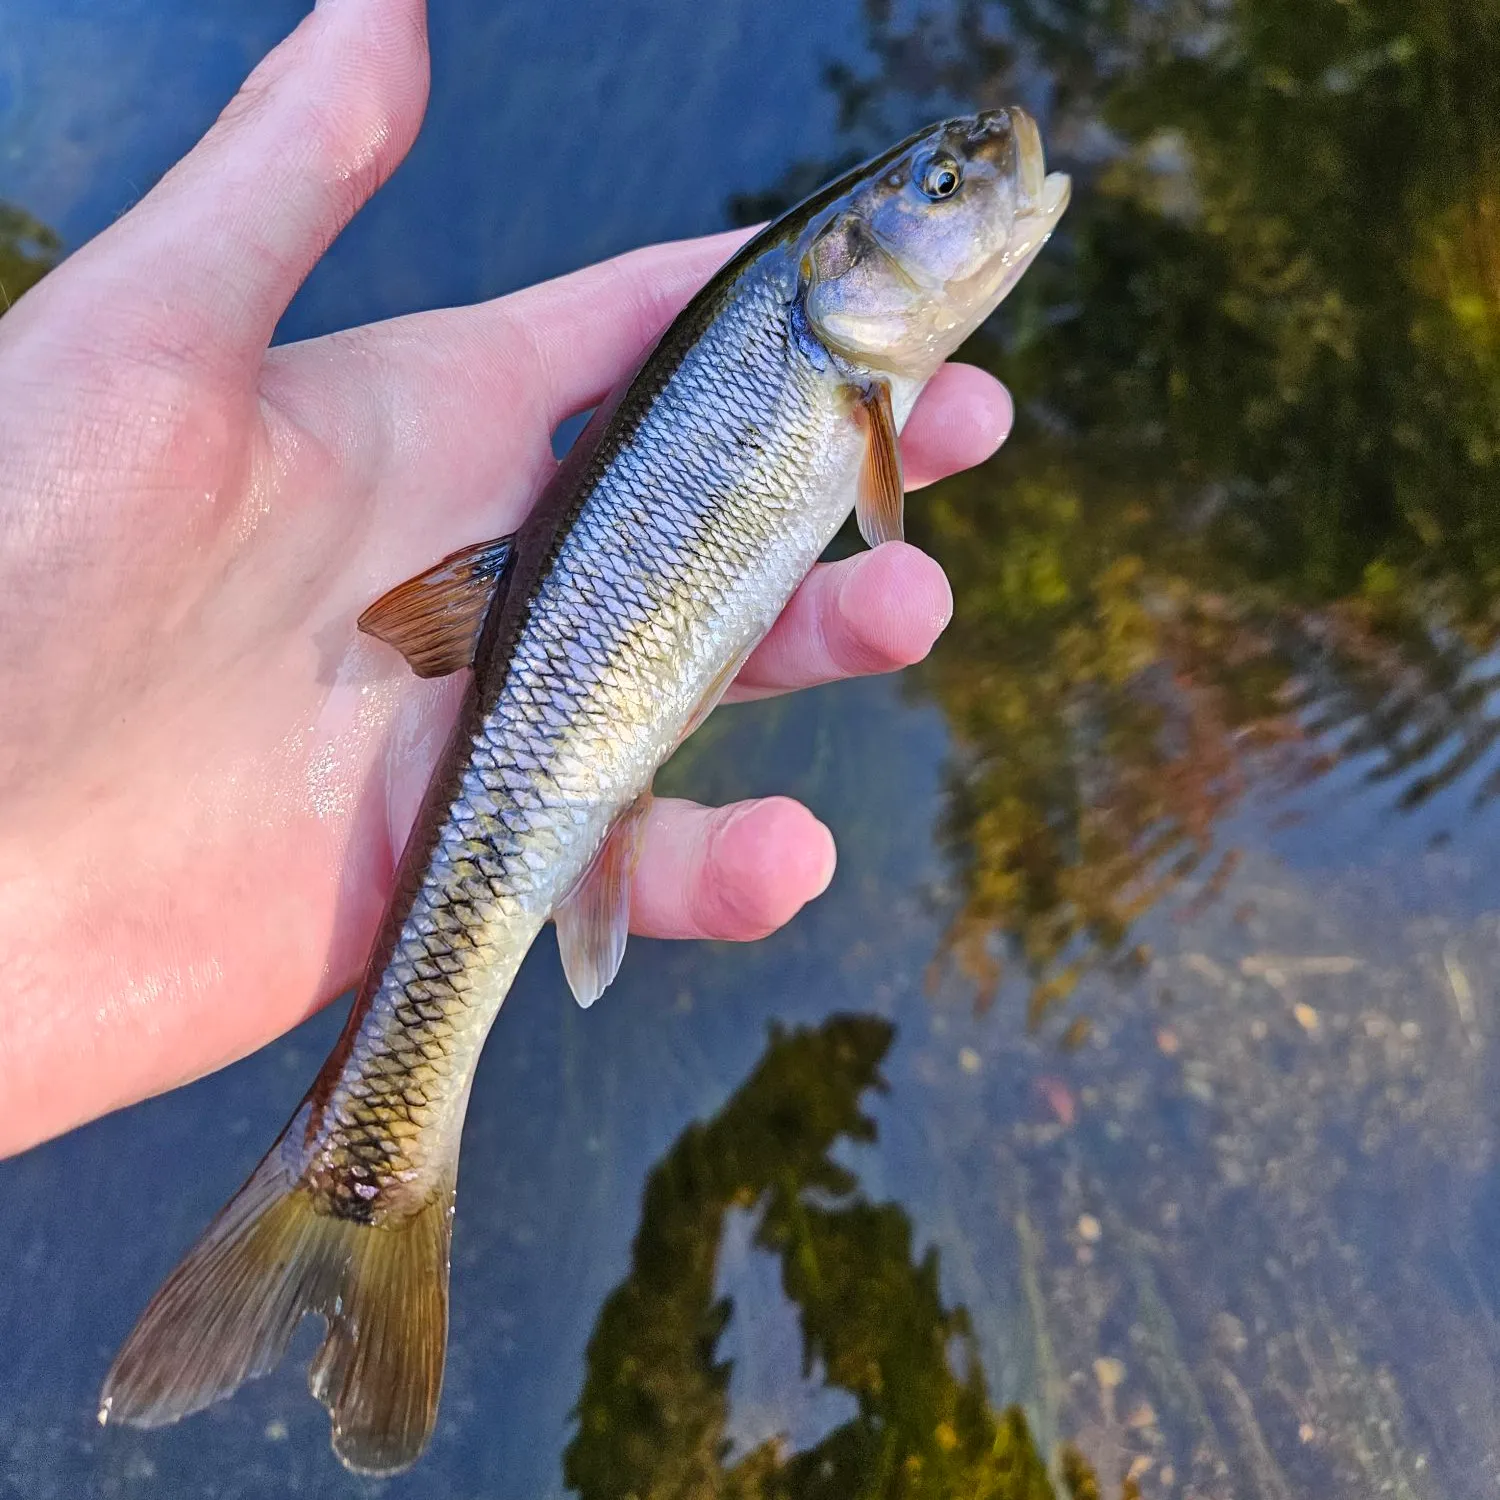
pixel 939 176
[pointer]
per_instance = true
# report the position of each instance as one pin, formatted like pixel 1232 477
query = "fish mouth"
pixel 1042 195
pixel 1040 198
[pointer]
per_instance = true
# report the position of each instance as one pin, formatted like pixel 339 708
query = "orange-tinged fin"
pixel 593 919
pixel 434 619
pixel 880 496
pixel 226 1314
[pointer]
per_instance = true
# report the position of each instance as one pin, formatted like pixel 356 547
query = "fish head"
pixel 921 247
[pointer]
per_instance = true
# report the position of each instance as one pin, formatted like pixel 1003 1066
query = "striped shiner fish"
pixel 599 635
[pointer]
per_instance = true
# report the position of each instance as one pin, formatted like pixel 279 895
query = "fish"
pixel 596 637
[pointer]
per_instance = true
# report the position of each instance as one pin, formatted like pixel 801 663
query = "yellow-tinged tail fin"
pixel 226 1314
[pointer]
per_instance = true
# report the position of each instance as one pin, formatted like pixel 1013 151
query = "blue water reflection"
pixel 554 137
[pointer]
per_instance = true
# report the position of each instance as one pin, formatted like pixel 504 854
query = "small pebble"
pixel 1059 1099
pixel 1078 1032
pixel 1307 1017
pixel 1089 1229
pixel 968 1060
pixel 1229 1334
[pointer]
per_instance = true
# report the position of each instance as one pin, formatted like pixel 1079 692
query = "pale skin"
pixel 206 773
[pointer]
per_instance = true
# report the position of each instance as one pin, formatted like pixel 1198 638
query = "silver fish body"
pixel 719 483
pixel 666 545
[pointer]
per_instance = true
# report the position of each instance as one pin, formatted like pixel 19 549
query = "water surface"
pixel 1122 1121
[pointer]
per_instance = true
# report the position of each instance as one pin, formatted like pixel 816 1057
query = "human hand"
pixel 205 772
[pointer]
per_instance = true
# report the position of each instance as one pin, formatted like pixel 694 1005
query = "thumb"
pixel 224 240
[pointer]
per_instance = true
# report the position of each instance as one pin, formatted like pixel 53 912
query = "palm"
pixel 205 771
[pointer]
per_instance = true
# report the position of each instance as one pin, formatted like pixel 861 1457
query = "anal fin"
pixel 880 498
pixel 593 919
pixel 434 619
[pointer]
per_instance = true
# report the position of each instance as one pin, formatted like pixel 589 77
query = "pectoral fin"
pixel 434 619
pixel 878 501
pixel 593 920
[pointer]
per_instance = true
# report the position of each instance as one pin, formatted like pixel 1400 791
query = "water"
pixel 1125 1116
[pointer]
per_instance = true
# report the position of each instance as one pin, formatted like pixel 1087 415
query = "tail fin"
pixel 226 1314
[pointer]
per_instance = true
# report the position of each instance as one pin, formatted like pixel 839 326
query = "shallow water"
pixel 1124 1114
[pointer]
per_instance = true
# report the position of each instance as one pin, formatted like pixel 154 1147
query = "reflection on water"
pixel 654 1416
pixel 1242 548
pixel 28 249
pixel 1248 526
pixel 1197 795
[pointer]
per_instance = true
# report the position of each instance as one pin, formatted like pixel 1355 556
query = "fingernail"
pixel 1007 416
pixel 830 862
pixel 944 615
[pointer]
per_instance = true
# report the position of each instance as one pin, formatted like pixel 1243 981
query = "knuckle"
pixel 256 96
pixel 725 899
pixel 849 646
pixel 352 110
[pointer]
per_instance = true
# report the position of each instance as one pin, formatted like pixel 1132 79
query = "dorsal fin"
pixel 880 497
pixel 434 619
